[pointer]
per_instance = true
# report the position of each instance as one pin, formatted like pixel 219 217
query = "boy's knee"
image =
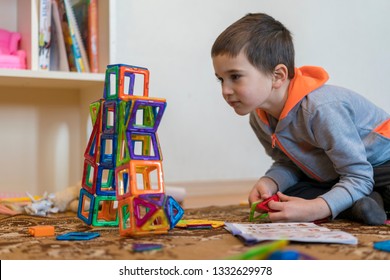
pixel 368 210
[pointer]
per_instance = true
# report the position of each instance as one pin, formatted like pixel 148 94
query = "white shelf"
pixel 44 115
pixel 49 79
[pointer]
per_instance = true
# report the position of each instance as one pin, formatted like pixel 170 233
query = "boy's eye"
pixel 235 77
pixel 220 80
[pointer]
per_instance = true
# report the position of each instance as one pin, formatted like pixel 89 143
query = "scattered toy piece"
pixel 199 223
pixel 200 226
pixel 78 236
pixel 42 206
pixel 289 255
pixel 261 252
pixel 262 208
pixel 244 203
pixel 382 245
pixel 9 209
pixel 262 205
pixel 18 198
pixel 255 215
pixel 140 247
pixel 38 231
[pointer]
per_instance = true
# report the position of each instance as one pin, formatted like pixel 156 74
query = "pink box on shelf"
pixel 10 55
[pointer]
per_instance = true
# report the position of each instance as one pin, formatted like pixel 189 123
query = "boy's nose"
pixel 226 90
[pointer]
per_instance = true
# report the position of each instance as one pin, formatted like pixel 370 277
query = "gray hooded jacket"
pixel 327 133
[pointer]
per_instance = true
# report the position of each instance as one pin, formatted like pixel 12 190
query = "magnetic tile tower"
pixel 122 181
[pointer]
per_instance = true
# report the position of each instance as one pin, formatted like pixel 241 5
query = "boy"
pixel 330 146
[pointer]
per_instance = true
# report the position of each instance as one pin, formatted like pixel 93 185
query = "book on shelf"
pixel 80 11
pixel 86 14
pixel 44 34
pixel 66 35
pixel 68 38
pixel 92 43
pixel 78 46
pixel 58 54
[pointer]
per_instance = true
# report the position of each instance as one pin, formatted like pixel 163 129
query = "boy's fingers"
pixel 283 197
pixel 278 205
pixel 256 196
pixel 275 205
pixel 253 197
pixel 265 196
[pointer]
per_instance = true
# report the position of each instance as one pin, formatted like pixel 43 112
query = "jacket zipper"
pixel 275 140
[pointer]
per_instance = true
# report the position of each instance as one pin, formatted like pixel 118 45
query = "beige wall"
pixel 201 137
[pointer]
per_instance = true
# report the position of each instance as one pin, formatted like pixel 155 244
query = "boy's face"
pixel 244 87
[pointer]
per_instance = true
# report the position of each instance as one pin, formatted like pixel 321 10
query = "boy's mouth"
pixel 234 103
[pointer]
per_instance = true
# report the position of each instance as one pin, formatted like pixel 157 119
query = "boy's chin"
pixel 241 112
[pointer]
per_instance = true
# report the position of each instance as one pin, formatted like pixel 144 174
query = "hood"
pixel 306 79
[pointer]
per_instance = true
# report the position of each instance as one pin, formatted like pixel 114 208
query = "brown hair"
pixel 264 40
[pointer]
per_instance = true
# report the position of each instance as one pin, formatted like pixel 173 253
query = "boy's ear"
pixel 280 75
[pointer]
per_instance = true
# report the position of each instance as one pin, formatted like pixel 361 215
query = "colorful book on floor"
pixel 300 232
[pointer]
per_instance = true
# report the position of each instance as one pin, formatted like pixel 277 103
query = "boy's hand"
pixel 264 188
pixel 295 209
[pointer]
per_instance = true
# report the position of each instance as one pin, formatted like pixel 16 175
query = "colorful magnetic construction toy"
pixel 122 181
pixel 262 208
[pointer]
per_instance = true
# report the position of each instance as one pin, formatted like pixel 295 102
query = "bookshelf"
pixel 44 115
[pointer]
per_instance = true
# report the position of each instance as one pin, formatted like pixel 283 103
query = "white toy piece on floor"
pixel 42 206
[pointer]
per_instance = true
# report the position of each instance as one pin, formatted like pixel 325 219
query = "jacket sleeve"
pixel 283 171
pixel 333 126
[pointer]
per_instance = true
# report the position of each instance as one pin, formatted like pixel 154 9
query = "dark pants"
pixel 309 189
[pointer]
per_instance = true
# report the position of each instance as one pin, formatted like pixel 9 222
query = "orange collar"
pixel 306 79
